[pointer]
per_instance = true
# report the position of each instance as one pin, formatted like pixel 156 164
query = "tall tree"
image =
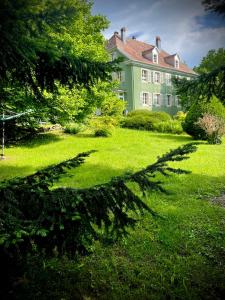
pixel 47 44
pixel 213 60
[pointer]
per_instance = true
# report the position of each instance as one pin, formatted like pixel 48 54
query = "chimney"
pixel 133 37
pixel 123 34
pixel 158 42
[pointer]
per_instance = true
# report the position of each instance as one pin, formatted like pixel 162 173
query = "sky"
pixel 183 25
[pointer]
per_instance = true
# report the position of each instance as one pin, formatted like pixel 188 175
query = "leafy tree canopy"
pixel 49 43
pixel 214 59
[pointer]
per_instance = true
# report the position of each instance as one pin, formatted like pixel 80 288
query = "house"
pixel 145 79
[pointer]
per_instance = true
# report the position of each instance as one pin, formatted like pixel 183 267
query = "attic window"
pixel 155 58
pixel 176 63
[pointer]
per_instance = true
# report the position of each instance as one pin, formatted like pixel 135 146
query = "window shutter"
pixel 149 76
pixel 141 99
pixel 162 77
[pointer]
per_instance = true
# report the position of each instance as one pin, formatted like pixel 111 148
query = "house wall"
pixel 133 86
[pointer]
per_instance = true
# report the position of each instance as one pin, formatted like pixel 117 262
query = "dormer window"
pixel 176 63
pixel 155 58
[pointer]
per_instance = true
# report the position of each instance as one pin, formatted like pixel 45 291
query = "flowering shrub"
pixel 213 126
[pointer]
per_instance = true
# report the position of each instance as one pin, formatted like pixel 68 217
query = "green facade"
pixel 133 86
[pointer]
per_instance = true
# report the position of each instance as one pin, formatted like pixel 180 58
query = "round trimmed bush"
pixel 140 122
pixel 160 115
pixel 197 110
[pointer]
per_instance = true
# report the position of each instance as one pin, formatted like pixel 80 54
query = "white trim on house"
pixel 146 99
pixel 146 75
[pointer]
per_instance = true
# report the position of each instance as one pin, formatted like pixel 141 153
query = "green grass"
pixel 178 256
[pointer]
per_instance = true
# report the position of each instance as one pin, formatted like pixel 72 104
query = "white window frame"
pixel 146 102
pixel 167 103
pixel 121 95
pixel 142 77
pixel 155 99
pixel 168 79
pixel 176 63
pixel 155 76
pixel 155 58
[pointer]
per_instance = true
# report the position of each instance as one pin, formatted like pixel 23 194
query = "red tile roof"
pixel 134 50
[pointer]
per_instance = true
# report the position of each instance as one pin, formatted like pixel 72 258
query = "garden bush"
pixel 73 128
pixel 180 116
pixel 214 128
pixel 103 126
pixel 160 115
pixel 104 131
pixel 172 126
pixel 198 109
pixel 141 122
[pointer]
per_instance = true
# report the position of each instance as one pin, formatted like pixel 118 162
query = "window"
pixel 144 75
pixel 145 99
pixel 168 79
pixel 168 100
pixel 155 58
pixel 157 77
pixel 121 95
pixel 157 101
pixel 176 63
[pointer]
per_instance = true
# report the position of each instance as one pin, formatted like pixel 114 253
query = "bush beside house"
pixel 213 107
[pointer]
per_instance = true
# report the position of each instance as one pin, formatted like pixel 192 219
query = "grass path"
pixel 179 256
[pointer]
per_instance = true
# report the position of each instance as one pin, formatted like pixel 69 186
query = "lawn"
pixel 179 255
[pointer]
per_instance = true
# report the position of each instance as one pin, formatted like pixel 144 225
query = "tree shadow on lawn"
pixel 175 137
pixel 13 171
pixel 39 140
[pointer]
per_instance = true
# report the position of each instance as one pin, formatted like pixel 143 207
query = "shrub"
pixel 160 115
pixel 197 110
pixel 103 126
pixel 73 128
pixel 139 122
pixel 180 116
pixel 172 126
pixel 104 131
pixel 213 126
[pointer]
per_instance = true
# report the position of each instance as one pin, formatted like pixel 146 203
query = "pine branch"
pixel 69 218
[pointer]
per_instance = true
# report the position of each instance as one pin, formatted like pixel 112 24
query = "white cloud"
pixel 174 21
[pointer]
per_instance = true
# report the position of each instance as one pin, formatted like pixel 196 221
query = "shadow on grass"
pixel 40 139
pixel 13 171
pixel 173 137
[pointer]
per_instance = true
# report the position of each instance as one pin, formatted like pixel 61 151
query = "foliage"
pixel 52 53
pixel 105 132
pixel 180 116
pixel 64 217
pixel 202 87
pixel 173 126
pixel 103 125
pixel 217 6
pixel 214 59
pixel 141 122
pixel 73 128
pixel 213 126
pixel 160 115
pixel 197 110
pixel 107 100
